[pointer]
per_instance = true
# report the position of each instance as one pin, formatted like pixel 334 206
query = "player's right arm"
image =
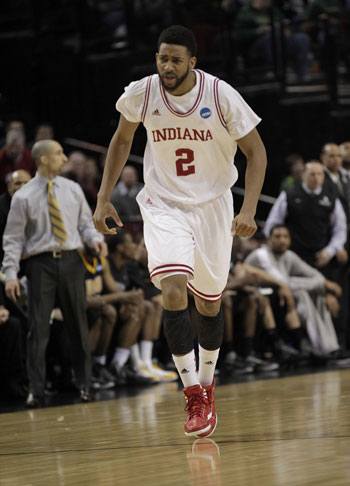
pixel 117 156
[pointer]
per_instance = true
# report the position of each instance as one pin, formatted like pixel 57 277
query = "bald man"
pixel 48 220
pixel 314 216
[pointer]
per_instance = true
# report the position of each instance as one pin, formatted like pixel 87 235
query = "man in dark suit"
pixel 345 169
pixel 331 158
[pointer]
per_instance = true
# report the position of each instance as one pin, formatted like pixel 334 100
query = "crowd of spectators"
pixel 277 36
pixel 259 31
pixel 286 301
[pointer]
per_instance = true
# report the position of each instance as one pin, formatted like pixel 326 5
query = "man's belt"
pixel 57 253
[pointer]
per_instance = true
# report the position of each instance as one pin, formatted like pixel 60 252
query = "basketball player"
pixel 194 123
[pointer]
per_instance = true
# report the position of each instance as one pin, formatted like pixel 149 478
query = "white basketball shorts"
pixel 192 240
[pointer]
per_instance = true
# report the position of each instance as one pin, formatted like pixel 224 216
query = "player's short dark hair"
pixel 278 226
pixel 180 35
pixel 113 241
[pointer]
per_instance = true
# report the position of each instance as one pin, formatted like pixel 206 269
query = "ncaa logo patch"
pixel 205 113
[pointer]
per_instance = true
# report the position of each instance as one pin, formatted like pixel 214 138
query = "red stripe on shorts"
pixel 209 298
pixel 172 267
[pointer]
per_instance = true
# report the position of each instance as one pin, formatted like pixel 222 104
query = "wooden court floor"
pixel 286 431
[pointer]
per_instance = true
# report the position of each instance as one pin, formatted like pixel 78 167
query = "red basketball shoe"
pixel 198 411
pixel 214 418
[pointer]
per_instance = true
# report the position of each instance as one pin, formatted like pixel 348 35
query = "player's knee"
pixel 110 314
pixel 174 292
pixel 207 308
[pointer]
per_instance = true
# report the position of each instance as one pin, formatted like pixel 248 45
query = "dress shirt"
pixel 28 230
pixel 278 215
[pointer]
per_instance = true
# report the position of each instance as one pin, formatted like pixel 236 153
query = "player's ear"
pixel 193 62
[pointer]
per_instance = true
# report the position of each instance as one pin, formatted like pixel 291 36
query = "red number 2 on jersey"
pixel 182 167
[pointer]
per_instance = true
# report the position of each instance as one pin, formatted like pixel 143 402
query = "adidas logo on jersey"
pixel 148 201
pixel 209 363
pixel 156 112
pixel 184 371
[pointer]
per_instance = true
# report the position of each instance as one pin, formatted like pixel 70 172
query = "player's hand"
pixel 104 210
pixel 101 249
pixel 243 225
pixel 342 256
pixel 133 297
pixel 322 257
pixel 334 288
pixel 12 289
pixel 4 314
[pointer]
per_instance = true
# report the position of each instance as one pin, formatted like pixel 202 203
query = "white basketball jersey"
pixel 191 139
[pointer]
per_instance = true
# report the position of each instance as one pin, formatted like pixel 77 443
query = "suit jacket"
pixel 340 192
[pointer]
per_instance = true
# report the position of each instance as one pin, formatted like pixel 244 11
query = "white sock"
pixel 146 352
pixel 99 359
pixel 186 366
pixel 135 355
pixel 121 356
pixel 207 363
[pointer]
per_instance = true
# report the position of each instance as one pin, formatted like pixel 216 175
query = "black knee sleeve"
pixel 210 330
pixel 178 331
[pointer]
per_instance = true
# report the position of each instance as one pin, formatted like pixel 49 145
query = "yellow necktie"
pixel 58 227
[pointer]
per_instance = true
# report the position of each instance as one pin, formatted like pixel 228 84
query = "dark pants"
pixel 62 281
pixel 12 355
pixel 338 272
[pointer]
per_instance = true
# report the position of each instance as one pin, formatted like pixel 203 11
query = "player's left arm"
pixel 253 148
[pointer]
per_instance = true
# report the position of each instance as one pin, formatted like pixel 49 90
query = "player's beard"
pixel 178 82
pixel 279 250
